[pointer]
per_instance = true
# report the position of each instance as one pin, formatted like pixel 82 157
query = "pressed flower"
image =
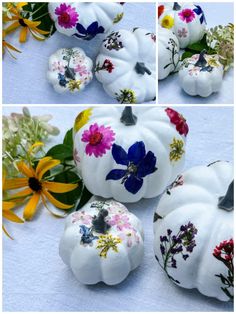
pixel 74 84
pixel 8 47
pixel 89 33
pixel 81 69
pixel 67 15
pixel 107 66
pixel 213 62
pixel 126 96
pixel 26 26
pixel 168 22
pixel 198 11
pixel 118 18
pixel 161 9
pixel 138 163
pixel 99 139
pixel 182 32
pixel 82 118
pixel 187 15
pixel 176 151
pixel 178 120
pixel 37 187
pixel 107 242
pixel 82 217
pixel 120 221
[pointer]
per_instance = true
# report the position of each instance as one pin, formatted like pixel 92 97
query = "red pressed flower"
pixel 178 120
pixel 217 252
pixel 108 65
pixel 225 250
pixel 161 9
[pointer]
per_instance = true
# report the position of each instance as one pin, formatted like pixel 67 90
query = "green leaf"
pixel 61 152
pixel 68 139
pixel 85 197
pixel 187 54
pixel 68 198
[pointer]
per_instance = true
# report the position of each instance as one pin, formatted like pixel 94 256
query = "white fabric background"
pixel 24 79
pixel 169 90
pixel 35 278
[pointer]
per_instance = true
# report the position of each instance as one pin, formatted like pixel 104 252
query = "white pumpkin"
pixel 126 66
pixel 129 157
pixel 187 21
pixel 191 223
pixel 85 20
pixel 201 75
pixel 102 242
pixel 168 52
pixel 70 70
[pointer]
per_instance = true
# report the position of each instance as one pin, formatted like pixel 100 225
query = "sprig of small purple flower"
pixel 171 245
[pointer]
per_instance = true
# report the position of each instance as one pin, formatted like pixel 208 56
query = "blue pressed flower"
pixel 198 11
pixel 62 80
pixel 89 33
pixel 87 235
pixel 138 163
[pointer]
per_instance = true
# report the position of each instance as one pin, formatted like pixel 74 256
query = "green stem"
pixel 40 16
pixel 37 9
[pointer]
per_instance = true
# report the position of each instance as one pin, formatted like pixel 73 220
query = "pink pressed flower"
pixel 187 15
pixel 120 221
pixel 99 139
pixel 82 218
pixel 81 69
pixel 67 16
pixel 130 237
pixel 58 66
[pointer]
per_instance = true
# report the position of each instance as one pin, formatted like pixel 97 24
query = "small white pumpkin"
pixel 168 52
pixel 126 66
pixel 129 157
pixel 102 242
pixel 193 230
pixel 187 21
pixel 70 70
pixel 85 20
pixel 201 75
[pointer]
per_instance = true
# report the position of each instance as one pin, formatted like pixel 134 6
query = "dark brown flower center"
pixel 22 23
pixel 65 17
pixel 95 138
pixel 34 184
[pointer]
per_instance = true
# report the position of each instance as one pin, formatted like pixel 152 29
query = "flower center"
pixel 22 23
pixel 65 17
pixel 95 138
pixel 34 184
pixel 132 168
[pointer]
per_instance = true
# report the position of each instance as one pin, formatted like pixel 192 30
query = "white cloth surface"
pixel 24 79
pixel 169 90
pixel 34 276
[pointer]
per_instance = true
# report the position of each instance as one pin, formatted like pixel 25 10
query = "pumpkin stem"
pixel 227 202
pixel 176 6
pixel 140 68
pixel 99 223
pixel 127 117
pixel 201 62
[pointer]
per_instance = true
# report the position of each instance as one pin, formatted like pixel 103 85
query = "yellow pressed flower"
pixel 107 242
pixel 8 47
pixel 37 187
pixel 176 151
pixel 213 62
pixel 82 118
pixel 7 207
pixel 73 84
pixel 26 26
pixel 167 22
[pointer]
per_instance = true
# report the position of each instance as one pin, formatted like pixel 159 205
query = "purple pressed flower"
pixel 163 239
pixel 67 16
pixel 169 232
pixel 162 248
pixel 185 256
pixel 173 262
pixel 183 228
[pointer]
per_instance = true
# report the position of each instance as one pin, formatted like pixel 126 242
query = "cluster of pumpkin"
pixel 126 62
pixel 179 27
pixel 123 157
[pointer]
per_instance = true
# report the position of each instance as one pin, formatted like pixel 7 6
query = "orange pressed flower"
pixel 37 187
pixel 26 25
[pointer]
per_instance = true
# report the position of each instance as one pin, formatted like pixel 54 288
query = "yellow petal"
pixel 23 193
pixel 20 5
pixel 47 166
pixel 9 46
pixel 36 144
pixel 31 206
pixel 23 168
pixel 6 233
pixel 15 183
pixel 55 202
pixel 9 215
pixel 57 187
pixel 50 211
pixel 41 164
pixel 36 35
pixel 7 205
pixel 12 27
pixel 31 23
pixel 23 35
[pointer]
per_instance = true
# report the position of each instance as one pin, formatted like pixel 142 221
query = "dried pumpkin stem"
pixel 127 117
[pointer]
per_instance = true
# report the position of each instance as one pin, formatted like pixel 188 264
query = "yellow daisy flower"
pixel 168 22
pixel 82 118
